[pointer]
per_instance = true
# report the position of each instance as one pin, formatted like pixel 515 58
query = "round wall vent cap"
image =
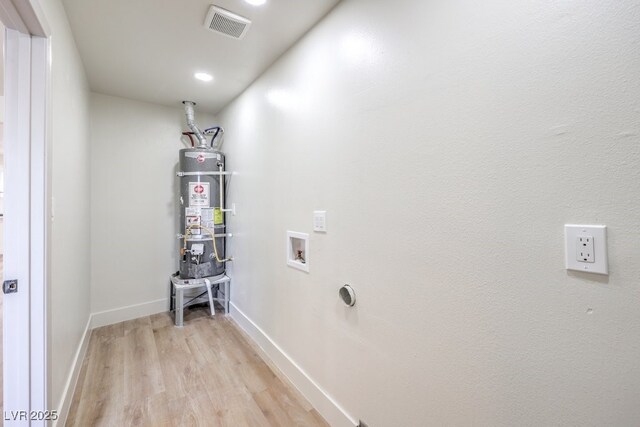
pixel 348 295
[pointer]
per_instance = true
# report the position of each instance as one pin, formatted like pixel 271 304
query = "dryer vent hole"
pixel 347 295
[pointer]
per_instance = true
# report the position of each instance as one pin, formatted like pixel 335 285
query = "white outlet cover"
pixel 598 261
pixel 320 221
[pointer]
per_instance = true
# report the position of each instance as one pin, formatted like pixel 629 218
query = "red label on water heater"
pixel 199 194
pixel 200 158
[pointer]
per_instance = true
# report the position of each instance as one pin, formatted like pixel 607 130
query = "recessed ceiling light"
pixel 256 2
pixel 203 76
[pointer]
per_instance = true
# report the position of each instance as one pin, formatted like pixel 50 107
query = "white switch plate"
pixel 586 248
pixel 320 221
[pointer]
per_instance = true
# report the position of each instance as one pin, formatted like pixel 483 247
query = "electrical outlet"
pixel 586 248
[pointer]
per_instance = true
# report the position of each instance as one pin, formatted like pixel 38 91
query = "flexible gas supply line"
pixel 213 237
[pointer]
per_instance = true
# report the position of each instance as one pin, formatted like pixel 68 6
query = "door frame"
pixel 26 220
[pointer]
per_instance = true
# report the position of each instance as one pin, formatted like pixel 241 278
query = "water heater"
pixel 202 214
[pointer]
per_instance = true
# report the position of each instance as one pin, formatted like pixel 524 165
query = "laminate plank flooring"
pixel 1 338
pixel 146 372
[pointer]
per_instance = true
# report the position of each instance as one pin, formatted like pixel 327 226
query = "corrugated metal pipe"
pixel 188 112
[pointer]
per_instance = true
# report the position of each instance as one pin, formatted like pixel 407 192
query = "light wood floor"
pixel 146 372
pixel 1 316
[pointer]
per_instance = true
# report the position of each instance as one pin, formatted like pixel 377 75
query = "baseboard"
pixel 321 400
pixel 102 318
pixel 72 380
pixel 130 312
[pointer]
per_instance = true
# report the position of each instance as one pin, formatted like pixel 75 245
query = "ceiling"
pixel 149 49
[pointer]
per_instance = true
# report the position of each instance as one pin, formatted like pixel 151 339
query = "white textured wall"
pixel 134 159
pixel 69 179
pixel 1 195
pixel 449 142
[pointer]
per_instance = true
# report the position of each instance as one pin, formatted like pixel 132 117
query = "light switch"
pixel 320 221
pixel 586 248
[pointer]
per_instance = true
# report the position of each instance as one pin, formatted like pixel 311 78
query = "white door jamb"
pixel 27 77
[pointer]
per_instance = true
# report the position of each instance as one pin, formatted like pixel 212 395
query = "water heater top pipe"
pixel 188 112
pixel 219 131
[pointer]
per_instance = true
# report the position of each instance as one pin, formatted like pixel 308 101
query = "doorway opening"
pixel 23 198
pixel 1 203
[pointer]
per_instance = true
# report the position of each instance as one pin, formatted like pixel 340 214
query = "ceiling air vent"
pixel 227 23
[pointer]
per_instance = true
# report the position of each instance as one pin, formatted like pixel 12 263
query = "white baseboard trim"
pixel 102 318
pixel 72 379
pixel 321 400
pixel 130 312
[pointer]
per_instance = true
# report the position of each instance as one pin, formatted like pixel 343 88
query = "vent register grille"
pixel 226 23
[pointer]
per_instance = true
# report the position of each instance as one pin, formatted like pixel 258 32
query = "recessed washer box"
pixel 298 250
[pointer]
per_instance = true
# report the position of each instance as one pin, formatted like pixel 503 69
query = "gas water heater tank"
pixel 201 213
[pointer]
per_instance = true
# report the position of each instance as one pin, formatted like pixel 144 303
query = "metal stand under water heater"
pixel 202 228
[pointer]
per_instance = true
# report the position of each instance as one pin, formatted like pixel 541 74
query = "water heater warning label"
pixel 200 217
pixel 199 194
pixel 217 216
pixel 192 218
pixel 206 215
